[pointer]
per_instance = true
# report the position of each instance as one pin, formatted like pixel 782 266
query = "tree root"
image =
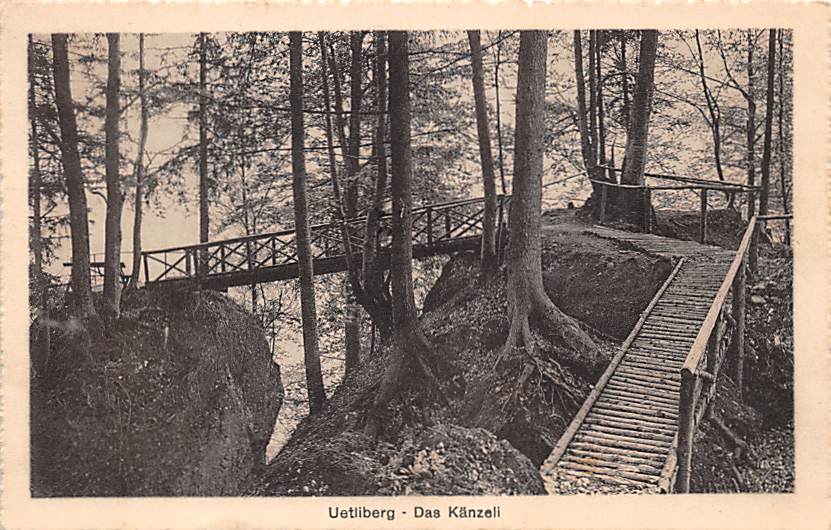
pixel 410 345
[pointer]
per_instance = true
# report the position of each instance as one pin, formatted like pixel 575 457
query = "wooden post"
pixel 753 258
pixel 273 251
pixel 647 210
pixel 248 253
pixel 429 225
pixel 739 303
pixel 188 256
pixel 604 192
pixel 712 363
pixel 686 430
pixel 146 269
pixel 447 222
pixel 222 257
pixel 702 232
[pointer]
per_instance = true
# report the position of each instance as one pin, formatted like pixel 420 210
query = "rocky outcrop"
pixel 179 397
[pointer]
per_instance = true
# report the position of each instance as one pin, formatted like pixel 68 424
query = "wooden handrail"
pixel 775 217
pixel 680 178
pixel 700 345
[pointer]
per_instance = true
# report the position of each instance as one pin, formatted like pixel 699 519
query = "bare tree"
pixel 488 249
pixel 636 144
pixel 586 146
pixel 766 153
pixel 35 191
pixel 713 108
pixel 78 220
pixel 138 168
pixel 526 294
pixel 356 39
pixel 410 345
pixel 376 295
pixel 204 219
pixel 314 379
pixel 115 198
pixel 352 338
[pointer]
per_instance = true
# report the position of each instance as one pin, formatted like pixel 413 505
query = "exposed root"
pixel 410 345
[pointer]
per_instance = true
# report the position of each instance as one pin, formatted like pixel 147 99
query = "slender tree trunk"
pixel 526 295
pixel 499 113
pixel 378 298
pixel 585 139
pixel 204 219
pixel 115 199
pixel 769 102
pixel 636 144
pixel 782 136
pixel 314 378
pixel 410 343
pixel 751 125
pixel 712 109
pixel 138 169
pixel 601 113
pixel 35 190
pixel 593 95
pixel 624 80
pixel 352 313
pixel 340 124
pixel 356 93
pixel 78 220
pixel 488 249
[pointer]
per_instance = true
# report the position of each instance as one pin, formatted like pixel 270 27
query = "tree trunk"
pixel 314 379
pixel 352 313
pixel 751 126
pixel 601 113
pixel 636 144
pixel 204 219
pixel 138 169
pixel 593 95
pixel 782 137
pixel 356 93
pixel 41 301
pixel 115 199
pixel 585 139
pixel 488 249
pixel 624 80
pixel 78 220
pixel 377 295
pixel 712 109
pixel 410 344
pixel 499 113
pixel 766 153
pixel 526 295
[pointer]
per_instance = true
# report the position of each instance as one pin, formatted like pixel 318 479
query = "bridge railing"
pixel 702 186
pixel 432 225
pixel 721 334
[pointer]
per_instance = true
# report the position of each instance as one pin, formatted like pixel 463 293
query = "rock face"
pixel 179 397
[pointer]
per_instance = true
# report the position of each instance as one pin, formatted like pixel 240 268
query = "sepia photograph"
pixel 390 263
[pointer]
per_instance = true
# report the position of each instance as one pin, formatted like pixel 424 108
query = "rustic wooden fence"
pixel 702 186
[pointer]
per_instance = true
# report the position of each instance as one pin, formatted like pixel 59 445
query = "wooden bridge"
pixel 437 229
pixel 636 428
